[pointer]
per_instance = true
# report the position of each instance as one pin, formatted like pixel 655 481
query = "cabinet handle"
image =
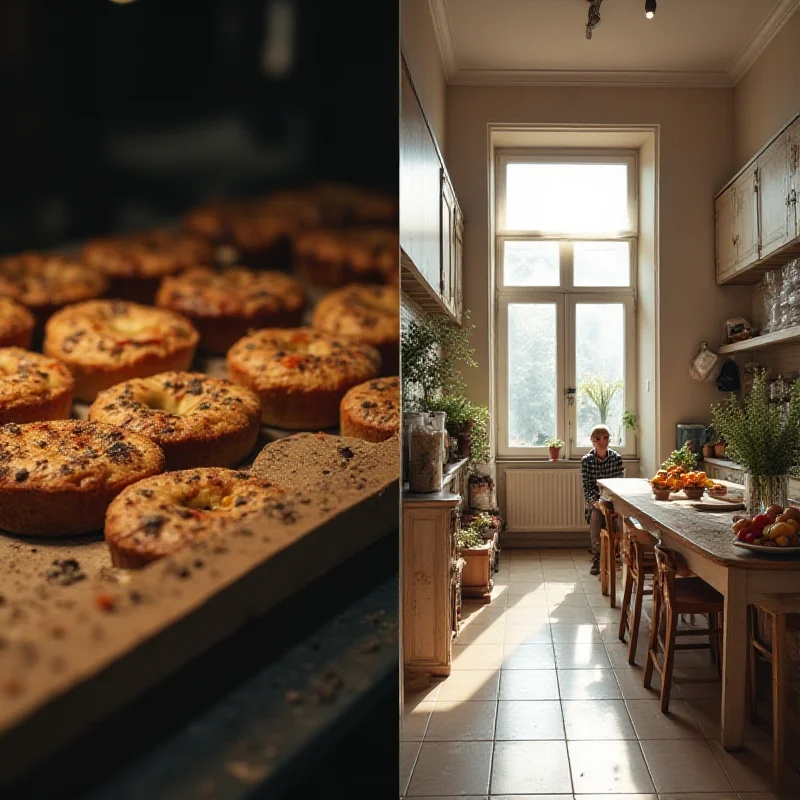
pixel 794 197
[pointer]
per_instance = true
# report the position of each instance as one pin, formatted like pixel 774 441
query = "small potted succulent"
pixel 554 445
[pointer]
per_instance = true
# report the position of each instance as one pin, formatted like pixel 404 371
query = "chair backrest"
pixel 607 507
pixel 638 542
pixel 667 569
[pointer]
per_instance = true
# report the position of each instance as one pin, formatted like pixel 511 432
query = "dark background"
pixel 121 115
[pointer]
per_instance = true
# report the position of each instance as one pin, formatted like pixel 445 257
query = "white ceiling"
pixel 689 42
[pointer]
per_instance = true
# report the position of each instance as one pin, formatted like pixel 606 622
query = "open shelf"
pixel 767 340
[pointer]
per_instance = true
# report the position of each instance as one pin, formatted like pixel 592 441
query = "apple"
pixel 742 524
pixel 751 537
pixel 760 521
pixel 773 511
pixel 744 533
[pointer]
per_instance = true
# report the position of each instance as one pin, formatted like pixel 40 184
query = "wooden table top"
pixel 709 533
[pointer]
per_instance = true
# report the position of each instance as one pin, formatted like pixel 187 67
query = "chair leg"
pixel 669 660
pixel 637 618
pixel 752 662
pixel 612 569
pixel 778 695
pixel 655 622
pixel 603 564
pixel 626 599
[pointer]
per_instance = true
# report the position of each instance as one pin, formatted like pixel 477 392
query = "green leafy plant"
pixel 629 421
pixel 681 458
pixel 460 410
pixel 601 393
pixel 761 436
pixel 433 351
pixel 469 536
pixel 551 442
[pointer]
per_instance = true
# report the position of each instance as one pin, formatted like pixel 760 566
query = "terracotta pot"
pixel 708 451
pixel 694 493
pixel 554 453
pixel 719 449
pixel 462 433
pixel 476 579
pixel 662 494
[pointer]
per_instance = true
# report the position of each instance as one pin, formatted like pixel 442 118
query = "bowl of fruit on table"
pixel 776 531
pixel 677 479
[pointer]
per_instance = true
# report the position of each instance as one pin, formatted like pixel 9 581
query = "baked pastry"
pixel 160 515
pixel 197 421
pixel 332 257
pixel 33 387
pixel 300 375
pixel 16 324
pixel 104 342
pixel 135 263
pixel 224 306
pixel 371 410
pixel 44 283
pixel 57 478
pixel 368 314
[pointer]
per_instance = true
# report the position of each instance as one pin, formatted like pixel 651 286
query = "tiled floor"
pixel 542 704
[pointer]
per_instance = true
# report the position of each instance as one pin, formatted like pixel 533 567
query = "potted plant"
pixel 466 421
pixel 554 446
pixel 476 578
pixel 600 393
pixel 764 439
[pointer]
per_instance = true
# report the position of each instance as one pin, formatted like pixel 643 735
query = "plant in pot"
pixel 467 421
pixel 476 551
pixel 764 439
pixel 600 392
pixel 554 445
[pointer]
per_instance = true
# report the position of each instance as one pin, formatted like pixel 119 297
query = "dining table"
pixel 705 540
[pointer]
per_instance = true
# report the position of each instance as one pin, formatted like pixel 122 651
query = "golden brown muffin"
pixel 44 283
pixel 33 387
pixel 300 375
pixel 197 421
pixel 331 257
pixel 368 314
pixel 16 324
pixel 160 515
pixel 104 342
pixel 57 478
pixel 371 410
pixel 135 263
pixel 224 305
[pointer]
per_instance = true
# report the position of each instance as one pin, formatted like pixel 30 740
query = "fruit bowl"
pixel 661 494
pixel 770 551
pixel 693 492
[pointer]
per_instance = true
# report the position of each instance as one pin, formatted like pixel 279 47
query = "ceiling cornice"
pixel 502 77
pixel 764 35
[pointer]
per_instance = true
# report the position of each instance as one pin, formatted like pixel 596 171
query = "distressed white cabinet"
pixel 745 220
pixel 773 197
pixel 793 157
pixel 726 246
pixel 452 246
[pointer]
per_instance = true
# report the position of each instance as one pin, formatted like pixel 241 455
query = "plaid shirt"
pixel 593 468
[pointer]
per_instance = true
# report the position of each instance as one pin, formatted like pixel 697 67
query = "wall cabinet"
pixel 431 222
pixel 756 215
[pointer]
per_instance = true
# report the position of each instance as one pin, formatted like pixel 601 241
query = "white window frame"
pixel 566 296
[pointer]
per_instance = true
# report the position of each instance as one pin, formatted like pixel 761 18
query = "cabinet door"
pixel 458 263
pixel 724 225
pixel 773 197
pixel 447 224
pixel 746 221
pixel 419 189
pixel 793 158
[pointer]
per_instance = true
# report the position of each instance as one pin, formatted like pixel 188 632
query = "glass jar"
pixel 763 491
pixel 408 419
pixel 425 454
pixel 439 419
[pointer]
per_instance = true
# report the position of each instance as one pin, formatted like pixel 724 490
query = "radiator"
pixel 544 500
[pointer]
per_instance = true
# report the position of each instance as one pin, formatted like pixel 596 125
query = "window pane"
pixel 600 369
pixel 567 198
pixel 530 264
pixel 602 264
pixel 531 373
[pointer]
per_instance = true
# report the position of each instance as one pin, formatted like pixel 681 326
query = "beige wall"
pixel 694 161
pixel 421 51
pixel 768 96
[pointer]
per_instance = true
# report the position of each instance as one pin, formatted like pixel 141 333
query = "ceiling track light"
pixel 650 8
pixel 594 17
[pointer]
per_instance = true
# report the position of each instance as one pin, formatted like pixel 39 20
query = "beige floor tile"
pixel 751 770
pixel 650 723
pixel 415 721
pixel 567 599
pixel 581 655
pixel 480 633
pixel 410 699
pixel 470 684
pixel 531 768
pixel 608 767
pixel 526 587
pixel 609 632
pixel 534 684
pixel 599 600
pixel 560 575
pixel 618 655
pixel 575 632
pixel 408 755
pixel 517 615
pixel 460 768
pixel 571 615
pixel 499 594
pixel 597 720
pixel 481 613
pixel 554 587
pixel 536 599
pixel 525 574
pixel 458 797
pixel 528 656
pixel 461 721
pixel 605 614
pixel 588 684
pixel 692 688
pixel 532 797
pixel 529 720
pixel 528 633
pixel 764 796
pixel 477 656
pixel 630 683
pixel 617 797
pixel 684 766
pixel 701 796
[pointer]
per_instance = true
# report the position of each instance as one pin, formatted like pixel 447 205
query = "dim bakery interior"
pixel 600 315
pixel 199 399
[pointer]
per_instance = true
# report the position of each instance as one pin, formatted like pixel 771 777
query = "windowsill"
pixel 545 463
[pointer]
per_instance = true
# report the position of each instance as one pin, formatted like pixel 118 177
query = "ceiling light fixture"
pixel 650 8
pixel 594 17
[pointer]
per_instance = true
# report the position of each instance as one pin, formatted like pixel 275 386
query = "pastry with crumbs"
pixel 33 387
pixel 371 410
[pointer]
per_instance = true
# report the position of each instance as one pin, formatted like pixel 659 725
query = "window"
pixel 566 276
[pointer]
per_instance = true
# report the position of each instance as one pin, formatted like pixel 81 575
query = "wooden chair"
pixel 671 598
pixel 640 563
pixel 609 539
pixel 771 648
